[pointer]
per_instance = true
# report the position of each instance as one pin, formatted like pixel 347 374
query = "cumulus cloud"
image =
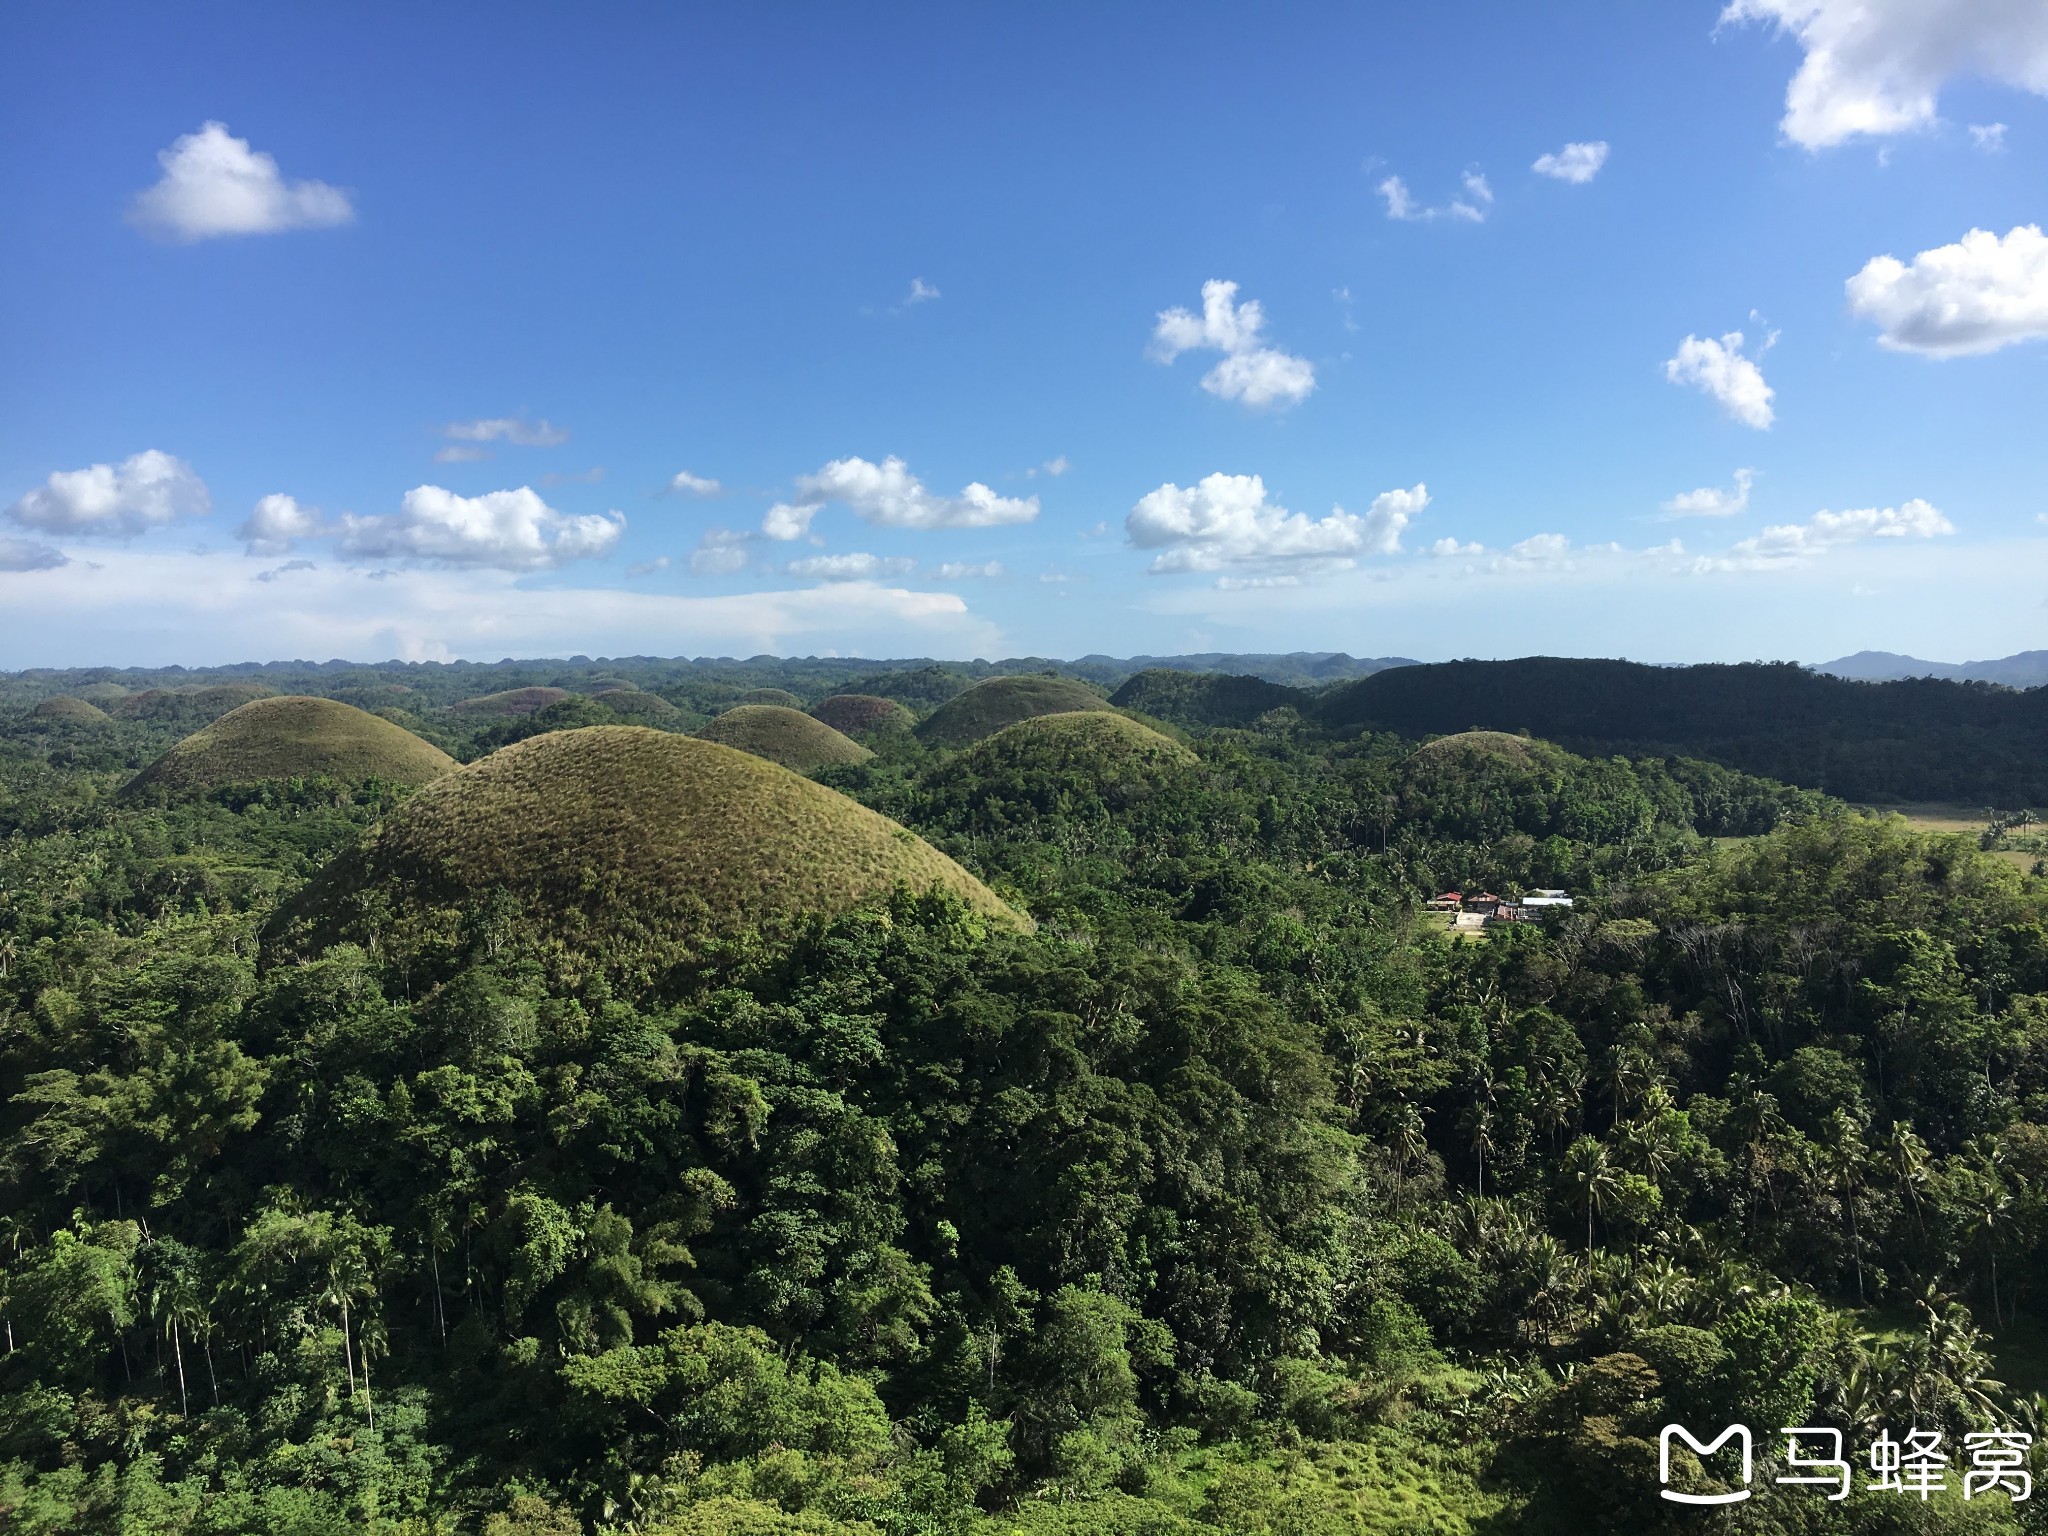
pixel 1251 372
pixel 683 483
pixel 720 552
pixel 502 530
pixel 1575 163
pixel 1054 466
pixel 1714 500
pixel 1471 208
pixel 215 184
pixel 1989 138
pixel 275 525
pixel 277 572
pixel 852 567
pixel 890 496
pixel 28 555
pixel 115 501
pixel 516 430
pixel 1975 296
pixel 460 453
pixel 1831 530
pixel 1719 369
pixel 921 292
pixel 969 570
pixel 1448 548
pixel 1227 520
pixel 1878 66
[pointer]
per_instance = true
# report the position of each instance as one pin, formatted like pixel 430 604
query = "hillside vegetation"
pixel 786 736
pixel 77 711
pixel 1204 698
pixel 996 702
pixel 624 846
pixel 511 701
pixel 292 738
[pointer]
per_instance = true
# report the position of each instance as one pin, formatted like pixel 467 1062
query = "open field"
pixel 1970 820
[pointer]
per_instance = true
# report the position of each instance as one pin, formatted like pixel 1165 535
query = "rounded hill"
pixel 996 702
pixel 1476 746
pixel 197 702
pixel 781 696
pixel 625 846
pixel 76 711
pixel 786 736
pixel 636 704
pixel 1204 698
pixel 1091 742
pixel 511 701
pixel 291 737
pixel 855 714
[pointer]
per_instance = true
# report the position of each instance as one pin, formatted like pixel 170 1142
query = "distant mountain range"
pixel 2028 669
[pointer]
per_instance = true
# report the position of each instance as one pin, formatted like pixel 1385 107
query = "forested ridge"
pixel 1235 1196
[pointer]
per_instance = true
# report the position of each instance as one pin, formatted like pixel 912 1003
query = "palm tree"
pixel 1589 1173
pixel 1910 1164
pixel 1843 1156
pixel 1992 1211
pixel 1408 1141
pixel 1478 1127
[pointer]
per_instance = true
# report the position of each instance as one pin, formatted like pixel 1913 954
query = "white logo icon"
pixel 1679 1431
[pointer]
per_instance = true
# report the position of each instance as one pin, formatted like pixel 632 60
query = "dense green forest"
pixel 1173 1171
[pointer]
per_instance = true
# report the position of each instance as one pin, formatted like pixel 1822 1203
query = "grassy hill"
pixel 195 704
pixel 511 701
pixel 786 736
pixel 635 704
pixel 852 714
pixel 1483 746
pixel 288 738
pixel 996 702
pixel 1204 698
pixel 628 846
pixel 1092 742
pixel 778 696
pixel 77 711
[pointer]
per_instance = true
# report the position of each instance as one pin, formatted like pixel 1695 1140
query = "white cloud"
pixel 968 570
pixel 28 555
pixel 1989 138
pixel 1831 530
pixel 1226 520
pixel 516 430
pixel 458 453
pixel 1878 66
pixel 1250 371
pixel 215 184
pixel 1713 500
pixel 1975 296
pixel 1544 547
pixel 503 530
pixel 1447 549
pixel 720 552
pixel 851 567
pixel 889 495
pixel 276 524
pixel 277 572
pixel 1471 208
pixel 648 567
pixel 117 501
pixel 921 292
pixel 1575 163
pixel 1253 583
pixel 1720 369
pixel 203 609
pixel 1054 467
pixel 683 483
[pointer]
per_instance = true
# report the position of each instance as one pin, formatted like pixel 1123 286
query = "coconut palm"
pixel 1589 1173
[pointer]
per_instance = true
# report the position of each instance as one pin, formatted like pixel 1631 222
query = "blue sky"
pixel 405 355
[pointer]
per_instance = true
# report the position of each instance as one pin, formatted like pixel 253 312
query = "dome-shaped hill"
pixel 1477 746
pixel 512 701
pixel 855 714
pixel 289 738
pixel 101 693
pixel 626 845
pixel 1094 742
pixel 76 711
pixel 786 736
pixel 1204 698
pixel 376 695
pixel 996 702
pixel 634 703
pixel 781 696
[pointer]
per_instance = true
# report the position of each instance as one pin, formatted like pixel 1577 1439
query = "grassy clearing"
pixel 292 738
pixel 1966 820
pixel 786 736
pixel 996 702
pixel 622 841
